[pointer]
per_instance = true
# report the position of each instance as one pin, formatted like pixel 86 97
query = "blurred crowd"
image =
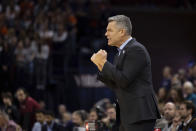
pixel 32 115
pixel 40 38
pixel 177 99
pixel 40 42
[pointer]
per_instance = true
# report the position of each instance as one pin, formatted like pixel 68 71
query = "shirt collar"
pixel 124 44
pixel 186 123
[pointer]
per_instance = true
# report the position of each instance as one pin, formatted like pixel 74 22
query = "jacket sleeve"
pixel 106 81
pixel 133 63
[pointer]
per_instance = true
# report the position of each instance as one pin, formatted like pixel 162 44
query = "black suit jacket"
pixel 191 126
pixel 130 78
pixel 56 127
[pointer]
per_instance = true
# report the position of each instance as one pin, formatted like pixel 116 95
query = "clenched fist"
pixel 99 58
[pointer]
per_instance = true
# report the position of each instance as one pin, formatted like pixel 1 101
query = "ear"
pixel 123 32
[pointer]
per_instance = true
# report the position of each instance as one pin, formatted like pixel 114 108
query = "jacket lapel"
pixel 119 58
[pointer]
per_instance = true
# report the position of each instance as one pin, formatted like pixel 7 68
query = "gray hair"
pixel 188 84
pixel 123 22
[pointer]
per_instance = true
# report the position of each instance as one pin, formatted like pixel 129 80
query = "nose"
pixel 106 33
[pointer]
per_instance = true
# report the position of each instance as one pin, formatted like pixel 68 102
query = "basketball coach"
pixel 129 76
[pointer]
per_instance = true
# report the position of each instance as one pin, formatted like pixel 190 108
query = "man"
pixel 129 76
pixel 111 118
pixel 61 109
pixel 169 112
pixel 9 107
pixel 39 121
pixel 51 125
pixel 187 111
pixel 28 106
pixel 189 92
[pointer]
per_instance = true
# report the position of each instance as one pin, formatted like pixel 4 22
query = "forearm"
pixel 107 82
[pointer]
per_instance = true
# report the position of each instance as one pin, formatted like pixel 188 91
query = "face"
pixel 111 112
pixel 40 117
pixel 113 34
pixel 93 116
pixel 169 111
pixel 161 93
pixel 173 94
pixel 6 101
pixel 20 44
pixel 175 79
pixel 62 109
pixel 76 119
pixel 166 72
pixel 42 104
pixel 187 90
pixel 20 95
pixel 183 111
pixel 48 119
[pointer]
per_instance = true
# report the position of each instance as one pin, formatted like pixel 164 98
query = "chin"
pixel 110 44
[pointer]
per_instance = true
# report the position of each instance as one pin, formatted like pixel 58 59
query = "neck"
pixel 187 118
pixel 123 40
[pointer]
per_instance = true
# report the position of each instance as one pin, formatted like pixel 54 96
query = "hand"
pixel 99 58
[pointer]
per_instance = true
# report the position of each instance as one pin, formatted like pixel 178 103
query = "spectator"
pixel 50 124
pixel 93 116
pixel 188 92
pixel 187 111
pixel 61 35
pixel 28 106
pixel 78 118
pixel 30 55
pixel 41 58
pixel 167 75
pixel 175 95
pixel 20 64
pixel 175 81
pixel 162 95
pixel 8 125
pixel 64 117
pixel 61 110
pixel 10 108
pixel 39 121
pixel 42 105
pixel 66 121
pixel 110 120
pixel 169 113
